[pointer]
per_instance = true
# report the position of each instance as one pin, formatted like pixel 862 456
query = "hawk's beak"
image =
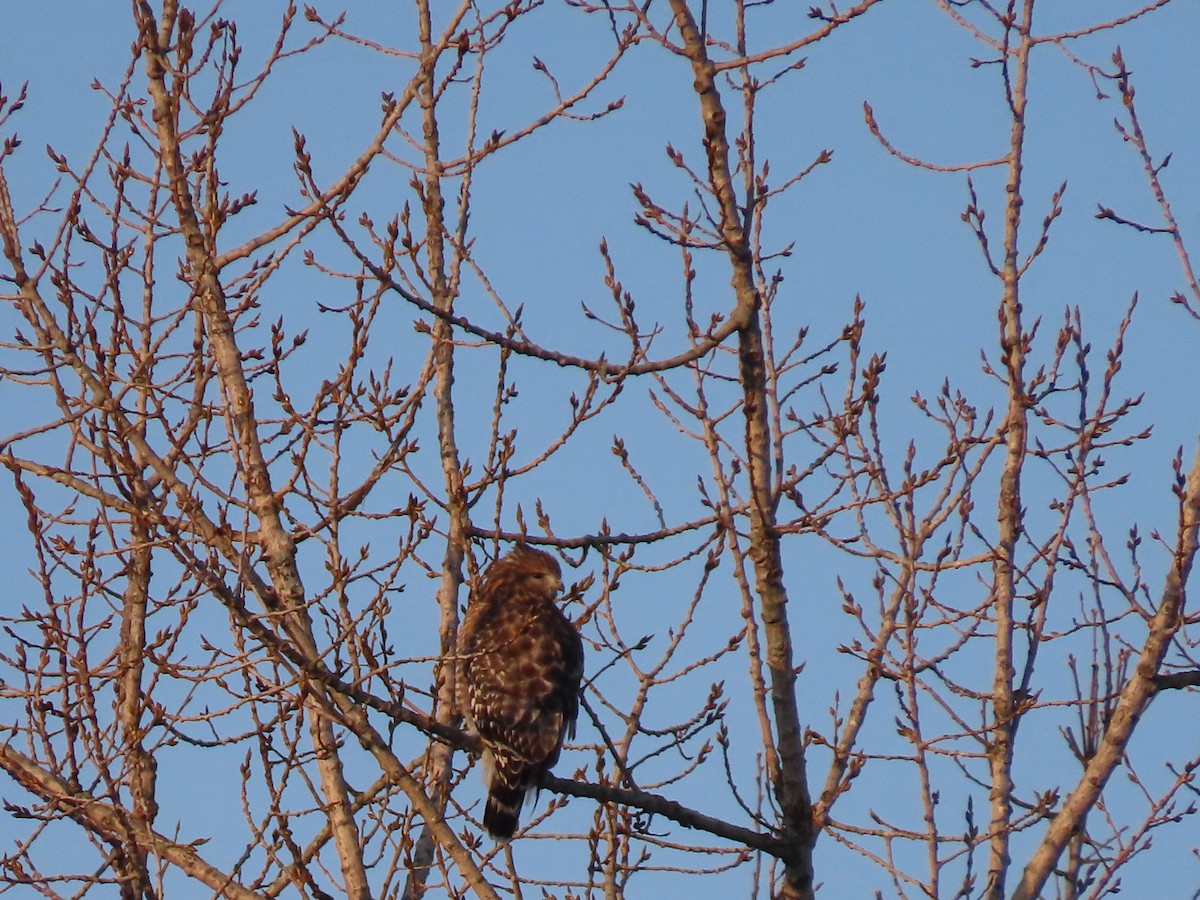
pixel 558 585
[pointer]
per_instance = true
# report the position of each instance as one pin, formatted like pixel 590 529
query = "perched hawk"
pixel 522 663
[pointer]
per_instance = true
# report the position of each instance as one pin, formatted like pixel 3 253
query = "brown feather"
pixel 522 667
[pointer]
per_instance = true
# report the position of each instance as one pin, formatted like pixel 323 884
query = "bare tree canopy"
pixel 841 357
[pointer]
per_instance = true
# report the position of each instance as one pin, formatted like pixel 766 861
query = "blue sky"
pixel 864 225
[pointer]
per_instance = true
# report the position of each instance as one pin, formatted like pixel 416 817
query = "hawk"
pixel 522 665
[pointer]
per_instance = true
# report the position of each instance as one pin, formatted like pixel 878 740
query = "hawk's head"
pixel 537 570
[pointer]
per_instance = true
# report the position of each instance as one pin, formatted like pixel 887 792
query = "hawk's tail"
pixel 508 782
pixel 502 813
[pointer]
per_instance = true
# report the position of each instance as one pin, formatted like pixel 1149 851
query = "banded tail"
pixel 507 786
pixel 502 814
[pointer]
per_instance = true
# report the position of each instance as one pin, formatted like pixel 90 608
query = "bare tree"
pixel 265 448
